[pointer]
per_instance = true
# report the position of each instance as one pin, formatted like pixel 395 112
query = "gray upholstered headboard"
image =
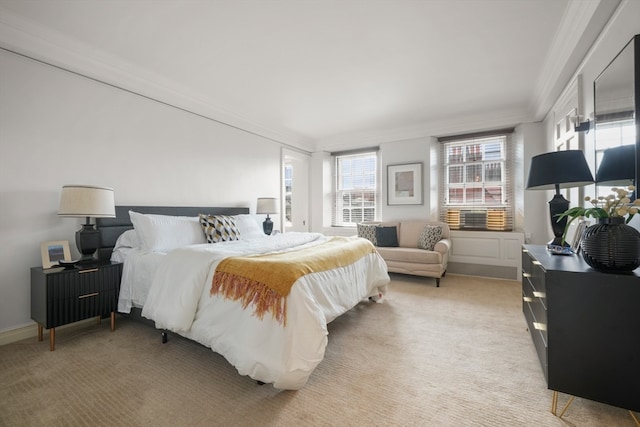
pixel 111 228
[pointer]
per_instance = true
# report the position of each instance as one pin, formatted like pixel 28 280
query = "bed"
pixel 262 302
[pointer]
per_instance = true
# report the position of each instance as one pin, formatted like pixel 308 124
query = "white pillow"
pixel 248 226
pixel 128 239
pixel 162 233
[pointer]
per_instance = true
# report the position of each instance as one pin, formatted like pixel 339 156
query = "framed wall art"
pixel 404 184
pixel 577 238
pixel 54 251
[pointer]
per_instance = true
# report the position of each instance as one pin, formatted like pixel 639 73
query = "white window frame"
pixel 359 190
pixel 484 213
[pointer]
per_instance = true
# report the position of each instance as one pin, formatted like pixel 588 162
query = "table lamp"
pixel 556 170
pixel 618 167
pixel 267 205
pixel 87 201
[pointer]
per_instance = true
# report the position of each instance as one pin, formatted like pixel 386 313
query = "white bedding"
pixel 179 300
pixel 137 275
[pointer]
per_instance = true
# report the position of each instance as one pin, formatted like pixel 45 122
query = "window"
pixel 288 181
pixel 476 190
pixel 356 195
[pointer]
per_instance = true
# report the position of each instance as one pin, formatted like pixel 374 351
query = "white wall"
pixel 407 151
pixel 59 128
pixel 534 218
pixel 624 24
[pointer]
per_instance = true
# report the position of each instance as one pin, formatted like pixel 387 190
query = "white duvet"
pixel 179 300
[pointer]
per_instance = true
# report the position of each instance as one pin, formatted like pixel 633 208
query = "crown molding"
pixel 462 124
pixel 50 47
pixel 574 23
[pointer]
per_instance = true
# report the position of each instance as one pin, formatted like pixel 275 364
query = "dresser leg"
pixel 52 339
pixel 113 321
pixel 554 404
pixel 566 406
pixel 39 332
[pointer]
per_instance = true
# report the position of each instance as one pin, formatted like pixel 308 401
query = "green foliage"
pixel 617 204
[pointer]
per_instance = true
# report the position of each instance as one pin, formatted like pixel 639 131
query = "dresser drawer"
pixel 538 279
pixel 526 262
pixel 534 305
pixel 538 334
pixel 68 310
pixel 537 305
pixel 78 283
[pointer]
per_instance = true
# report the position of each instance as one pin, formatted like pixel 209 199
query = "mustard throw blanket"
pixel 266 280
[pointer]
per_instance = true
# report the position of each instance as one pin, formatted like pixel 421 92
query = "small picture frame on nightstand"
pixel 54 251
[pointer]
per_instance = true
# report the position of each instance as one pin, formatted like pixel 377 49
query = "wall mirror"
pixel 617 122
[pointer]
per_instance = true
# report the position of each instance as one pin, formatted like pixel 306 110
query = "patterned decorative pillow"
pixel 429 237
pixel 368 231
pixel 387 236
pixel 219 228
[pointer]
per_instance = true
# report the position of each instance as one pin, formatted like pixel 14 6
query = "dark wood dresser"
pixel 585 326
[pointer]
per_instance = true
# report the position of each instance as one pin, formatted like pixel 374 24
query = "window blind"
pixel 355 197
pixel 476 185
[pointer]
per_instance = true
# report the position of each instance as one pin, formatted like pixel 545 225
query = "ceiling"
pixel 322 74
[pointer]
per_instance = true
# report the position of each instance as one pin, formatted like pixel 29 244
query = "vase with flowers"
pixel 611 244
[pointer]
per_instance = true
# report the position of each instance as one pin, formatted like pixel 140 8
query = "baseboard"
pixel 31 331
pixel 18 334
pixel 493 271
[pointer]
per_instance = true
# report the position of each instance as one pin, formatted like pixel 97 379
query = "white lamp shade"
pixel 87 201
pixel 267 205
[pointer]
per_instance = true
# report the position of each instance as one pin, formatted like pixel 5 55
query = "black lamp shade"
pixel 618 166
pixel 555 170
pixel 559 169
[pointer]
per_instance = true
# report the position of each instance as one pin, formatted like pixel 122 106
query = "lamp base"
pixel 267 226
pixel 557 206
pixel 87 242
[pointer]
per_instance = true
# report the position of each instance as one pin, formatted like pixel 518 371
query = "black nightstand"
pixel 61 296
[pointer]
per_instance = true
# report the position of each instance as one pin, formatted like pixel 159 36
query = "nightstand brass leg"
pixel 113 321
pixel 52 339
pixel 634 418
pixel 40 332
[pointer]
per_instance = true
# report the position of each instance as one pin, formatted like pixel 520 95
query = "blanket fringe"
pixel 248 291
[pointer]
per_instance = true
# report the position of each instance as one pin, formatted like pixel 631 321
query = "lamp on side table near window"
pixel 556 170
pixel 267 205
pixel 78 201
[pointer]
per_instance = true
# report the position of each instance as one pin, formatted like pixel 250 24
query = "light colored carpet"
pixel 458 355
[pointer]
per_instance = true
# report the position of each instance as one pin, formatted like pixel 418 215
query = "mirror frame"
pixel 633 44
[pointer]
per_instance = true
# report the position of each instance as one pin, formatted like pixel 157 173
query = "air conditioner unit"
pixel 470 219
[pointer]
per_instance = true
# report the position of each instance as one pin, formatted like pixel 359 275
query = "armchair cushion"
pixel 429 237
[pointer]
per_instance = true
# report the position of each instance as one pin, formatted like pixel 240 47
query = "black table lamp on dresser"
pixel 86 201
pixel 267 205
pixel 556 170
